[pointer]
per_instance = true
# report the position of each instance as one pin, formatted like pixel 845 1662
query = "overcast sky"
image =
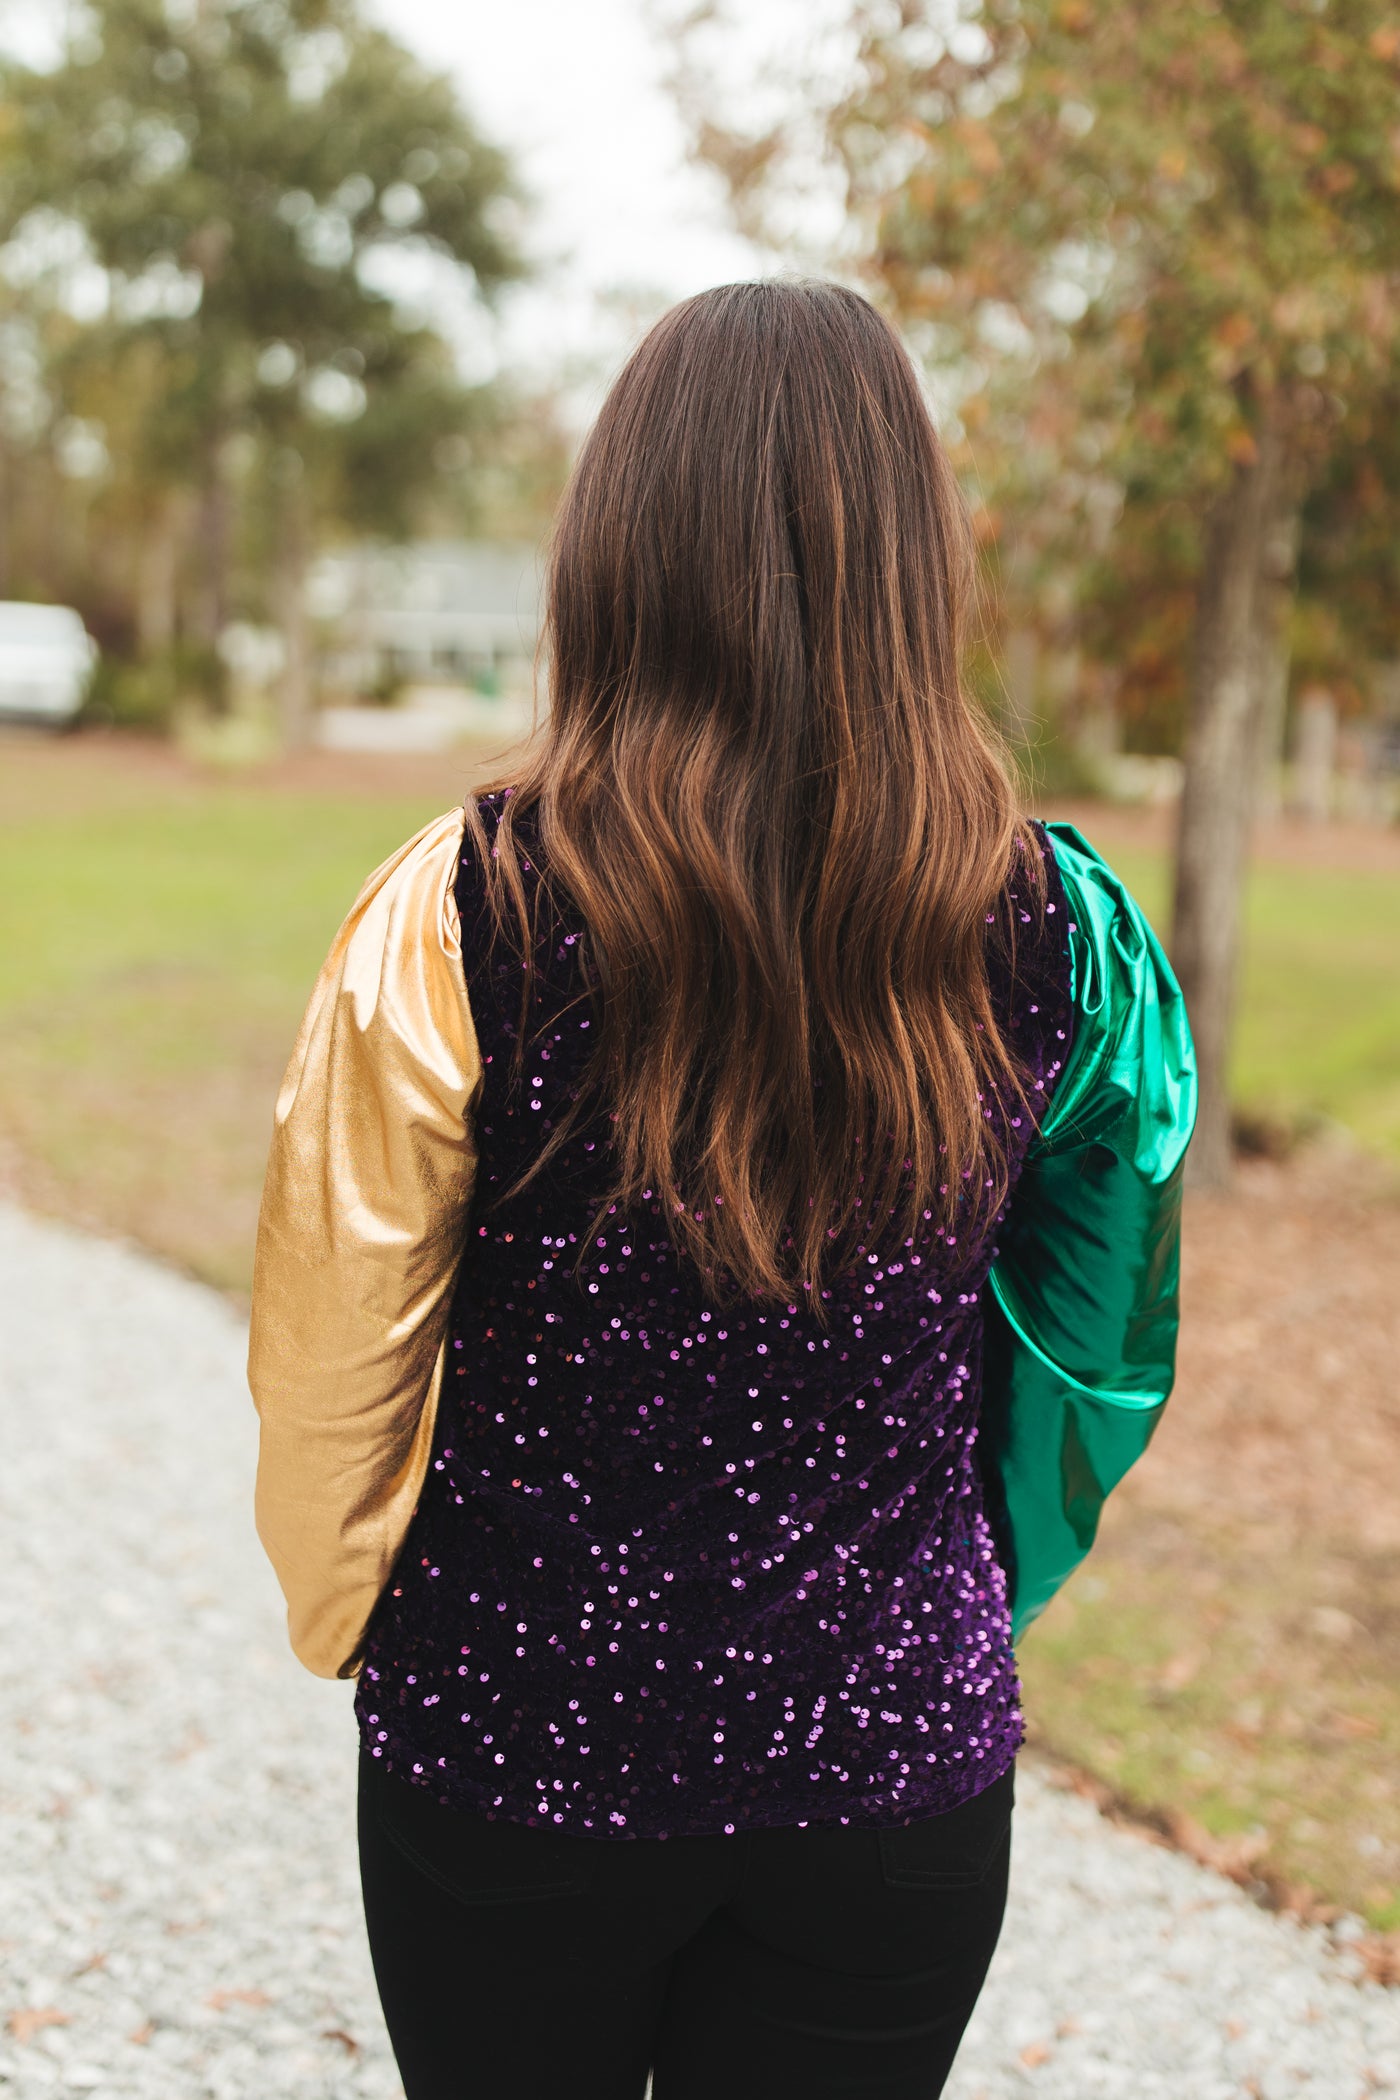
pixel 574 90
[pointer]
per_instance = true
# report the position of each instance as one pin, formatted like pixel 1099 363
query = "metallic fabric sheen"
pixel 364 1215
pixel 1081 1333
pixel 369 1188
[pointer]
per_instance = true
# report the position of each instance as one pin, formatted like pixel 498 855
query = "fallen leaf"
pixel 1379 1953
pixel 1035 2053
pixel 1356 1727
pixel 142 2034
pixel 1181 1670
pixel 1232 1856
pixel 1330 1623
pixel 347 2041
pixel 25 2023
pixel 221 2000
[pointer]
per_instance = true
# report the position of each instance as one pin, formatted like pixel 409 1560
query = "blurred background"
pixel 304 306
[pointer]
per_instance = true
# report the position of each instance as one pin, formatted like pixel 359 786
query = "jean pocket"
pixel 955 1850
pixel 478 1861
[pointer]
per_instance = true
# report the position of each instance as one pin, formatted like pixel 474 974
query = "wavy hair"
pixel 763 789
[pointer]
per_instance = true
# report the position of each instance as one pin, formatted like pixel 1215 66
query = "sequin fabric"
pixel 680 1569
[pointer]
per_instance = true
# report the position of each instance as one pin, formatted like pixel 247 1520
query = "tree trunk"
pixel 1022 659
pixel 157 569
pixel 1020 653
pixel 1237 611
pixel 1315 754
pixel 1271 645
pixel 4 521
pixel 211 601
pixel 295 688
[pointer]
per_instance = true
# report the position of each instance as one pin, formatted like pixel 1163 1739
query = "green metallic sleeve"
pixel 1083 1309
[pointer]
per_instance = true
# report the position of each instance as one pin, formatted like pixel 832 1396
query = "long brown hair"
pixel 764 790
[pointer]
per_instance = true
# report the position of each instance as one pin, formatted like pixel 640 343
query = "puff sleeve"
pixel 362 1226
pixel 1083 1312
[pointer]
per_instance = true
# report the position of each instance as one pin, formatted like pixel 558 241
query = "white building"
pixel 436 612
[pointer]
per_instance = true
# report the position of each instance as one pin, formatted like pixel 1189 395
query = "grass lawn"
pixel 158 940
pixel 1232 1650
pixel 1318 1030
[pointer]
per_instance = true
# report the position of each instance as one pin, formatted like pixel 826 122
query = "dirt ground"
pixel 1289 1354
pixel 1367 847
pixel 89 768
pixel 97 765
pixel 1227 1663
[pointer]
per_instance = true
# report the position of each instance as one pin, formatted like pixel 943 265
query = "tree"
pixel 1158 249
pixel 239 171
pixel 1349 565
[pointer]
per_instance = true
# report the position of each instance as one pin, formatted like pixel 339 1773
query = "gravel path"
pixel 178 1906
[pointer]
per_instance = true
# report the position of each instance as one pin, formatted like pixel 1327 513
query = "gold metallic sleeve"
pixel 363 1222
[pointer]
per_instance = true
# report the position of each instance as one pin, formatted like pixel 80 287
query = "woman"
pixel 719 1248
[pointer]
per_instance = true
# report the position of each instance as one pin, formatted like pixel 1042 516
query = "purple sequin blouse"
pixel 679 1569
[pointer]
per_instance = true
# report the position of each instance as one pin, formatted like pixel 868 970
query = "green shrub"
pixel 146 694
pixel 1053 764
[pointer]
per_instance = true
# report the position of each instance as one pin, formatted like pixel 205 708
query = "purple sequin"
pixel 678 1569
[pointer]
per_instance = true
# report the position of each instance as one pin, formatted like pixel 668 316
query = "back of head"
pixel 762 787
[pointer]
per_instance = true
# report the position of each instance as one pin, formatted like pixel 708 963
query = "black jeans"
pixel 516 1963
